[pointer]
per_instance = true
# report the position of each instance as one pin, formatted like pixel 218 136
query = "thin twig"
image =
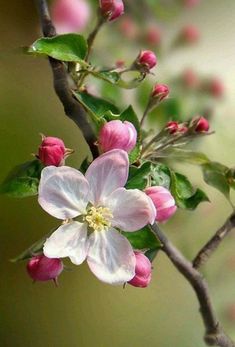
pixel 211 246
pixel 71 107
pixel 214 335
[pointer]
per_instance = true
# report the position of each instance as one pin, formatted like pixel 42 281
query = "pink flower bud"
pixel 191 3
pixel 111 9
pixel 216 88
pixel 190 79
pixel 182 128
pixel 52 151
pixel 172 127
pixel 117 135
pixel 41 268
pixel 128 28
pixel 160 91
pixel 202 125
pixel 143 271
pixel 163 201
pixel 70 15
pixel 147 60
pixel 153 36
pixel 190 34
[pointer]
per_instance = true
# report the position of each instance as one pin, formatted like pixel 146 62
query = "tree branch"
pixel 211 246
pixel 71 107
pixel 214 335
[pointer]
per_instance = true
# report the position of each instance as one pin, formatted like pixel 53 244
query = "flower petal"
pixel 131 209
pixel 69 240
pixel 107 173
pixel 63 192
pixel 110 257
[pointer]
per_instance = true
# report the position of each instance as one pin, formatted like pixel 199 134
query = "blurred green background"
pixel 84 312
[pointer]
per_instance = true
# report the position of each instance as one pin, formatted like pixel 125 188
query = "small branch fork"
pixel 71 107
pixel 214 335
pixel 211 246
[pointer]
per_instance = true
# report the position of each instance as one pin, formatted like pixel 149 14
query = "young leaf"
pixel 143 239
pixel 152 253
pixel 138 176
pixel 191 157
pixel 130 116
pixel 184 194
pixel 67 47
pixel 23 180
pixel 215 175
pixel 160 175
pixel 96 107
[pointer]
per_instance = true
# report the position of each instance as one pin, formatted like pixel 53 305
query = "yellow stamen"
pixel 98 218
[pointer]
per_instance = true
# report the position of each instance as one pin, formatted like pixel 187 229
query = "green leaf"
pixel 184 194
pixel 138 176
pixel 214 174
pixel 143 239
pixel 196 158
pixel 160 175
pixel 23 180
pixel 152 253
pixel 68 47
pixel 108 76
pixel 84 165
pixel 130 116
pixel 96 107
pixel 230 175
pixel 33 250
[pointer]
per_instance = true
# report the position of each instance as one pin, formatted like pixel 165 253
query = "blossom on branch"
pixel 101 204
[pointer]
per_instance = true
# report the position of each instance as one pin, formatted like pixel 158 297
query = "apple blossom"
pixel 117 135
pixel 143 271
pixel 41 268
pixel 163 201
pixel 100 203
pixel 70 15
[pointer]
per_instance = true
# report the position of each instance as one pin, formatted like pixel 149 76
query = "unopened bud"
pixel 117 135
pixel 172 127
pixel 41 268
pixel 202 125
pixel 153 36
pixel 70 15
pixel 191 3
pixel 163 201
pixel 52 151
pixel 190 34
pixel 216 88
pixel 190 79
pixel 160 91
pixel 111 9
pixel 145 61
pixel 143 271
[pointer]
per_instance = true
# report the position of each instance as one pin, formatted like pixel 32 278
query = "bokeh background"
pixel 83 312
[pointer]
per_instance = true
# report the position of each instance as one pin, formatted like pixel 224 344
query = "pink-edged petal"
pixel 110 257
pixel 63 192
pixel 131 209
pixel 107 173
pixel 69 240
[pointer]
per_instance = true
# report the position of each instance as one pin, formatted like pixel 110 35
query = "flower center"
pixel 98 218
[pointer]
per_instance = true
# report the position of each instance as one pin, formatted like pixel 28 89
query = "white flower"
pixel 100 203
